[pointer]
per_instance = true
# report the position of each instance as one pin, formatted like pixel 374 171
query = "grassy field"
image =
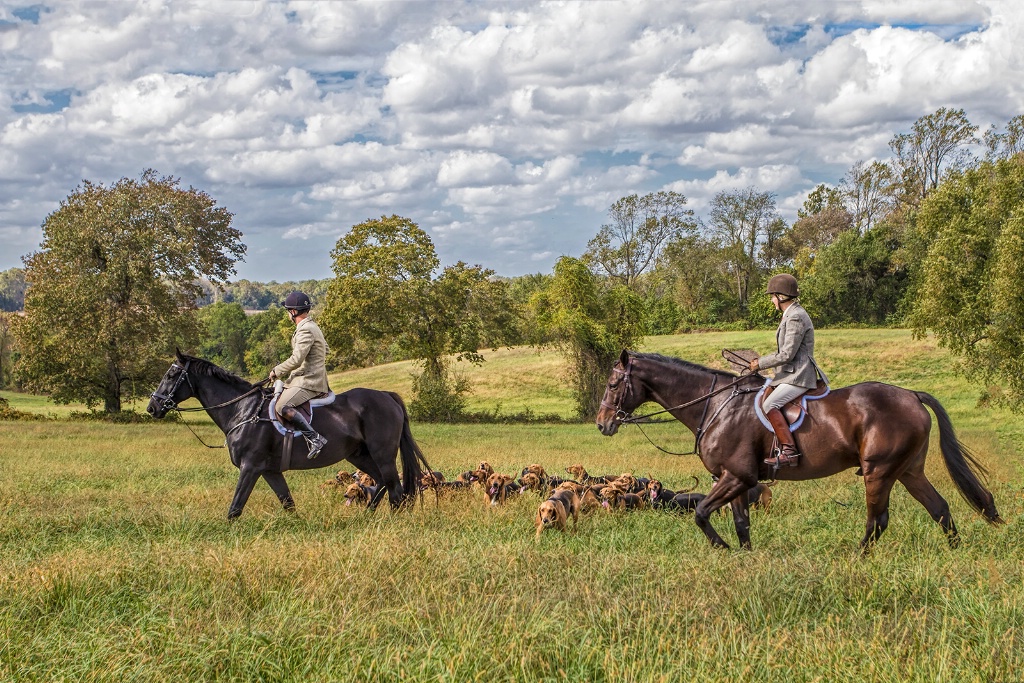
pixel 117 563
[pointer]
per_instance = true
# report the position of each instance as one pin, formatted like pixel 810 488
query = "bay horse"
pixel 369 428
pixel 880 428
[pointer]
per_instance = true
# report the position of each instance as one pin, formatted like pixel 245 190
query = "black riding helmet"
pixel 297 301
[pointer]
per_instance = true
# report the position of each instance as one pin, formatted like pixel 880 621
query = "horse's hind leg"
pixel 280 487
pixel 741 518
pixel 393 483
pixel 922 490
pixel 877 486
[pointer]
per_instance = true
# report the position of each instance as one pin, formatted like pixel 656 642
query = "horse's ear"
pixel 624 358
pixel 178 354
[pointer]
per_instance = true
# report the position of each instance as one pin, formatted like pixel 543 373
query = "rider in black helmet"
pixel 796 372
pixel 307 368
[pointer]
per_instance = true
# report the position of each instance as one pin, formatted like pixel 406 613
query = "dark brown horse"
pixel 880 428
pixel 368 428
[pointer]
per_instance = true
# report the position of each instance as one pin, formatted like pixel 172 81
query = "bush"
pixel 438 398
pixel 121 417
pixel 9 413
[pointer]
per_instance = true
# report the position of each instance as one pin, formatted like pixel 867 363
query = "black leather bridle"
pixel 620 414
pixel 167 401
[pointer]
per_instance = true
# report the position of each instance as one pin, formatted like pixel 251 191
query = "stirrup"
pixel 781 460
pixel 316 444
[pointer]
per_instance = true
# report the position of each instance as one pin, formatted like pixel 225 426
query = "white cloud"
pixel 506 128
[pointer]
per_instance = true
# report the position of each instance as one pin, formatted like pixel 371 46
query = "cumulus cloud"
pixel 505 128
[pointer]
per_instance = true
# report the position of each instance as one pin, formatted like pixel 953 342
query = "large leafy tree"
pixel 113 286
pixel 639 229
pixel 591 323
pixel 224 328
pixel 936 144
pixel 387 292
pixel 1003 144
pixel 971 296
pixel 743 221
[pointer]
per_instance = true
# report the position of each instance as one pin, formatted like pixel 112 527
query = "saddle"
pixel 304 409
pixel 795 410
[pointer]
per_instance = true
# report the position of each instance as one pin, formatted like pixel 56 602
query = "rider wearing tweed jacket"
pixel 796 372
pixel 305 370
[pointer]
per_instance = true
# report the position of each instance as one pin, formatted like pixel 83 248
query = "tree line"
pixel 929 238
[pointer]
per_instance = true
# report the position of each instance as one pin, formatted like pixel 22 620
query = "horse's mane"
pixel 658 358
pixel 201 366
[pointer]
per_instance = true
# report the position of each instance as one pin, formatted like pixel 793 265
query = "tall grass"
pixel 117 563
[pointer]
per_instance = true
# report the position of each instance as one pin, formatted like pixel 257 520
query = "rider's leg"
pixel 286 403
pixel 788 453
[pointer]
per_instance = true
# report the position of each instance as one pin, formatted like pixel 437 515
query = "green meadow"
pixel 117 562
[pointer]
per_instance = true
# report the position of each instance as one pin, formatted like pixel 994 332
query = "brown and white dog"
pixel 500 487
pixel 556 510
pixel 535 469
pixel 531 482
pixel 342 478
pixel 358 494
pixel 486 467
pixel 760 496
pixel 588 495
pixel 590 501
pixel 616 498
pixel 580 474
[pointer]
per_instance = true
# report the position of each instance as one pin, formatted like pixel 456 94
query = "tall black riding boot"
pixel 788 456
pixel 313 440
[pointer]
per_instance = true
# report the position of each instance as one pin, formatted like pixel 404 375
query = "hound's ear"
pixel 624 358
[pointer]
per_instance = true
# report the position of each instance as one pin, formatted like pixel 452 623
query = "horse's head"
pixel 620 396
pixel 174 388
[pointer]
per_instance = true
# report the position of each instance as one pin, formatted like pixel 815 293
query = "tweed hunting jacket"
pixel 795 357
pixel 307 362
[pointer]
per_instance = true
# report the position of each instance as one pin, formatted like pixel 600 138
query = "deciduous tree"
pixel 937 143
pixel 740 221
pixel 387 291
pixel 113 286
pixel 639 228
pixel 971 296
pixel 590 323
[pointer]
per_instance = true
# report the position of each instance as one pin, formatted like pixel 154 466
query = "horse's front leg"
pixel 247 476
pixel 280 487
pixel 741 518
pixel 724 491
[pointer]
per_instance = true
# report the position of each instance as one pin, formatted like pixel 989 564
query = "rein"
pixel 170 404
pixel 624 418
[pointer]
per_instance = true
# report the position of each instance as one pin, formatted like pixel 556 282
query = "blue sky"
pixel 504 129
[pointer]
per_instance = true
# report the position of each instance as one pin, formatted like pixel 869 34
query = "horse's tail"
pixel 961 463
pixel 414 464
